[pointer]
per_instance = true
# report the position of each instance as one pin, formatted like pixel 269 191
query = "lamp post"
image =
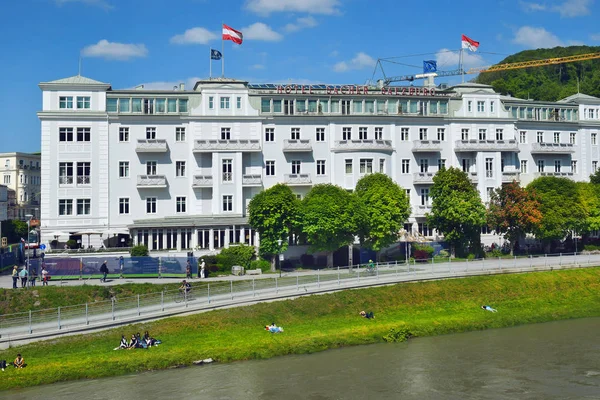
pixel 29 216
pixel 279 241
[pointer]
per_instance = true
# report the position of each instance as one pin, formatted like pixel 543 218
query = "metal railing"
pixel 241 290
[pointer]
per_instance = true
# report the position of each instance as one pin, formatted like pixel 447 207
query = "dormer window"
pixel 65 102
pixel 83 102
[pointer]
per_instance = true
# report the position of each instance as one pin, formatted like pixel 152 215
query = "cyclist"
pixel 371 267
pixel 185 287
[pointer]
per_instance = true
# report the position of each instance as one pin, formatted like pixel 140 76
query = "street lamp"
pixel 279 241
pixel 29 216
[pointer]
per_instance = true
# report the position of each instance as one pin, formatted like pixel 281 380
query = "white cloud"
pixel 196 35
pixel 260 31
pixel 257 66
pixel 595 37
pixel 536 38
pixel 573 8
pixel 531 7
pixel 266 7
pixel 114 51
pixel 97 3
pixel 301 23
pixel 334 53
pixel 170 85
pixel 360 61
pixel 447 59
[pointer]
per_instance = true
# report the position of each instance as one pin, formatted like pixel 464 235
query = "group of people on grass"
pixel 138 342
pixel 18 363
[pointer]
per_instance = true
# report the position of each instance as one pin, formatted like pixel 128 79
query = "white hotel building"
pixel 177 169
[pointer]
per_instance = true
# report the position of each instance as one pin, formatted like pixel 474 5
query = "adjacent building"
pixel 3 203
pixel 21 174
pixel 176 169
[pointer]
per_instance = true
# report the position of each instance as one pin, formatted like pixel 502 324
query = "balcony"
pixel 509 176
pixel 297 145
pixel 210 146
pixel 251 180
pixel 297 179
pixel 65 180
pixel 421 210
pixel 151 146
pixel 422 146
pixel 363 145
pixel 552 148
pixel 151 181
pixel 202 181
pixel 423 177
pixel 553 173
pixel 83 180
pixel 486 145
pixel 472 176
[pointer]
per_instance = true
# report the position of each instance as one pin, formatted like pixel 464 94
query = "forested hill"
pixel 551 83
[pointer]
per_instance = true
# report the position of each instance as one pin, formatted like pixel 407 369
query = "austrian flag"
pixel 468 43
pixel 231 34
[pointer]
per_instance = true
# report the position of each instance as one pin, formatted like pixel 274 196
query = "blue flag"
pixel 429 66
pixel 215 54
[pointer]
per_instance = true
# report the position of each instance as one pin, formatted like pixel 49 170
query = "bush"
pixel 139 251
pixel 235 255
pixel 399 334
pixel 471 256
pixel 496 253
pixel 423 248
pixel 591 247
pixel 72 244
pixel 444 253
pixel 263 265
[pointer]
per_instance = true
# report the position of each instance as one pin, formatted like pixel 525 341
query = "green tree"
pixel 561 207
pixel 235 255
pixel 273 213
pixel 330 218
pixel 386 208
pixel 513 211
pixel 457 210
pixel 141 250
pixel 595 177
pixel 589 195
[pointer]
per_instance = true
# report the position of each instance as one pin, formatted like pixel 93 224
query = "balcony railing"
pixel 552 148
pixel 421 210
pixel 297 179
pixel 65 180
pixel 553 173
pixel 486 145
pixel 509 176
pixel 423 177
pixel 363 145
pixel 472 176
pixel 152 181
pixel 200 181
pixel 211 145
pixel 151 146
pixel 83 180
pixel 251 180
pixel 427 145
pixel 297 145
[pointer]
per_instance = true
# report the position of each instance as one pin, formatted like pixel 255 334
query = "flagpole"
pixel 460 66
pixel 209 63
pixel 222 53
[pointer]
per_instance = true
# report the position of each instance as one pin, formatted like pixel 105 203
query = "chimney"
pixel 181 87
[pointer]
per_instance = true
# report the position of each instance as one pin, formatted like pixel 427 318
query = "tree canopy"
pixel 386 208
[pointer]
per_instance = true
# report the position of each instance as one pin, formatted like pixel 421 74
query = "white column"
pixel 226 245
pixel 150 240
pixel 242 238
pixel 178 239
pixel 194 238
pixel 211 239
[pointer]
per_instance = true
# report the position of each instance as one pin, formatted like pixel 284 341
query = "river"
pixel 556 360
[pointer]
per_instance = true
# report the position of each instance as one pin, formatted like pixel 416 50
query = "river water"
pixel 556 360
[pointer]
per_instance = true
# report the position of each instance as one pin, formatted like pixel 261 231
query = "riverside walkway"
pixel 213 293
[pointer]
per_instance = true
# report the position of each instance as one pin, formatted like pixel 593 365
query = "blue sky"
pixel 161 43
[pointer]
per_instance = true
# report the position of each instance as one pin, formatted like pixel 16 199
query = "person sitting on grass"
pixel 367 315
pixel 488 308
pixel 19 362
pixel 123 344
pixel 273 328
pixel 3 365
pixel 133 343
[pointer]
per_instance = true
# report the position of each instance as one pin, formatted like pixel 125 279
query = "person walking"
pixel 45 275
pixel 201 266
pixel 121 266
pixel 104 270
pixel 33 277
pixel 15 276
pixel 188 270
pixel 23 275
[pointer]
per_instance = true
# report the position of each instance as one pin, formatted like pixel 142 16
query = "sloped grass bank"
pixel 316 323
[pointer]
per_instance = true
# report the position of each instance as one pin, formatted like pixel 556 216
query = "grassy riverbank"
pixel 316 323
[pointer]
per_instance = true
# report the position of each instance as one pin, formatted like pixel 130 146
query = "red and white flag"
pixel 231 34
pixel 468 43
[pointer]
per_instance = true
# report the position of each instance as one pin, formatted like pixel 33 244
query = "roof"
pixel 77 80
pixel 580 98
pixel 190 221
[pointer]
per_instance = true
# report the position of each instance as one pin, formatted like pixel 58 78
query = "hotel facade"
pixel 176 169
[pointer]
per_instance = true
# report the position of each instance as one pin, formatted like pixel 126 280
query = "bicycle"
pixel 183 296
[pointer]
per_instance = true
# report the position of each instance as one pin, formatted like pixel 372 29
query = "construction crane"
pixel 494 68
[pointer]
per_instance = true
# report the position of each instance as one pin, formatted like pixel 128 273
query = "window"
pixel 378 133
pixel 441 163
pixel 320 135
pixel 556 165
pixel 238 102
pixel 225 133
pixel 136 105
pixel 224 103
pixel 227 202
pixel 123 169
pixel 540 165
pixel 211 102
pixel 422 133
pixel 65 102
pixel 296 167
pixel 160 105
pixel 424 197
pixel 540 137
pixel 469 106
pixel 179 168
pixel 382 165
pixel 269 134
pixel 404 134
pixel 270 168
pixel 464 134
pixel 483 134
pixel 7 179
pixel 180 204
pixel 481 106
pixel 150 205
pixel 406 166
pixel 349 166
pixel 345 107
pixel 124 205
pixel 591 113
pixel 65 207
pixel 83 134
pixel 65 173
pixel 150 133
pixel 183 103
pixel 407 191
pixel 423 229
pixel 295 134
pixel 572 137
pixel 523 137
pixel 320 167
pixel 227 168
pixel 288 107
pixel 180 134
pixel 148 106
pixel 111 105
pixel 123 134
pixel 441 134
pixel 171 105
pixel 366 166
pixel 594 166
pixel 363 133
pixel 489 168
pixel 83 102
pixel 556 137
pixel 83 173
pixel 346 133
pixel 523 166
pixel 492 106
pixel 574 166
pixel 499 134
pixel 424 164
pixel 593 137
pixel 65 134
pixel 84 206
pixel 150 167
